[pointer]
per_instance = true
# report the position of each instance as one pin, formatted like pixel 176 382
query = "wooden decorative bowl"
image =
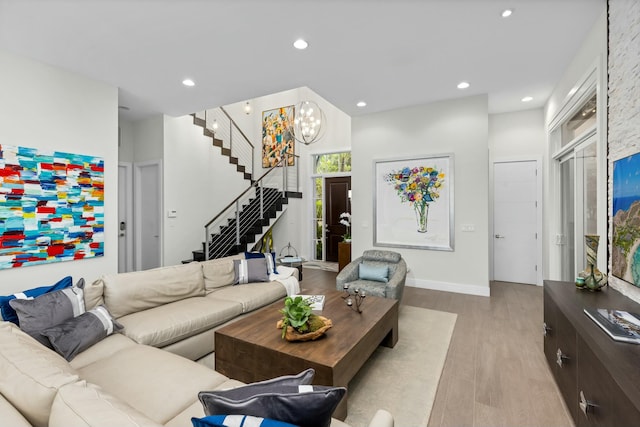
pixel 293 335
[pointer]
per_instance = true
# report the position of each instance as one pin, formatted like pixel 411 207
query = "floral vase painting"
pixel 414 203
pixel 417 186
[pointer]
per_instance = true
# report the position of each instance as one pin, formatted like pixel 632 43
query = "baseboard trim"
pixel 449 287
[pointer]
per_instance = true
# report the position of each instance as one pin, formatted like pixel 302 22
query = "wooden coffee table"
pixel 251 349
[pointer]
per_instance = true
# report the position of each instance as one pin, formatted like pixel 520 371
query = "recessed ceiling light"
pixel 361 104
pixel 300 44
pixel 527 99
pixel 507 13
pixel 463 85
pixel 188 82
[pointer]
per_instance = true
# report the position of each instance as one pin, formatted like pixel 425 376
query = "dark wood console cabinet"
pixel 599 378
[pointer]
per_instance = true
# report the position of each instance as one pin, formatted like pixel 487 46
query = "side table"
pixel 344 254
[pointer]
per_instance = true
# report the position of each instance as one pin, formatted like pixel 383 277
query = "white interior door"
pixel 148 218
pixel 125 217
pixel 515 222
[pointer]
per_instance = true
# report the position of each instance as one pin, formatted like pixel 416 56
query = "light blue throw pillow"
pixel 373 272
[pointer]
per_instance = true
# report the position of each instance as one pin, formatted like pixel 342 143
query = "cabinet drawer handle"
pixel 585 405
pixel 545 329
pixel 560 358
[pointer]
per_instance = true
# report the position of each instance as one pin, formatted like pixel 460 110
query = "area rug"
pixel 404 379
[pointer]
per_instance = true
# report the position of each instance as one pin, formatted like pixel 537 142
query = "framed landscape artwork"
pixel 51 206
pixel 625 257
pixel 278 136
pixel 413 203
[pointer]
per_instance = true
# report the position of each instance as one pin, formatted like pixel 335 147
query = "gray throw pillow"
pixel 79 333
pixel 250 270
pixel 284 399
pixel 48 310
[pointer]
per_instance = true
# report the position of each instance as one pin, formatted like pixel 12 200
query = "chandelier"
pixel 308 123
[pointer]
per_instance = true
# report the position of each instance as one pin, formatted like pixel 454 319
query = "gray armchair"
pixel 373 260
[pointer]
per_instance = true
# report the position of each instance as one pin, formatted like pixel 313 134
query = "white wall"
pixel 518 134
pixel 45 107
pixel 459 127
pixel 198 183
pixel 591 54
pixel 126 141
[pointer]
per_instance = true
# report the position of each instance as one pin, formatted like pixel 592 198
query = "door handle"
pixel 499 236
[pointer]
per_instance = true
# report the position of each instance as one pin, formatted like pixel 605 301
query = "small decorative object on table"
pixel 354 300
pixel 591 278
pixel 298 323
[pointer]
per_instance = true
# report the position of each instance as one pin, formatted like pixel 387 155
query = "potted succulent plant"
pixel 298 323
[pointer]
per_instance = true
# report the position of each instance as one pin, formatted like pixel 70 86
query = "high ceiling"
pixel 389 53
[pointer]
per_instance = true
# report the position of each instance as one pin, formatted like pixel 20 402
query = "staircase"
pixel 233 143
pixel 239 226
pixel 254 218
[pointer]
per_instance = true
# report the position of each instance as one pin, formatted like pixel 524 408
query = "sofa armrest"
pixel 348 274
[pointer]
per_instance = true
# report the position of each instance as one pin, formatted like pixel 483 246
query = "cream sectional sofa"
pixel 178 308
pixel 143 376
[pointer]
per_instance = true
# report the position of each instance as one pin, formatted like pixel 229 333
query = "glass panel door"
pixel 586 197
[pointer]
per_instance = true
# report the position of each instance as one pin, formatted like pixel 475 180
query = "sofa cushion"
pixel 219 272
pixel 30 374
pixel 8 314
pixel 173 322
pixel 250 270
pixel 86 405
pixel 105 348
pixel 252 295
pixel 158 384
pixel 93 294
pixel 11 417
pixel 49 309
pixel 79 333
pixel 127 293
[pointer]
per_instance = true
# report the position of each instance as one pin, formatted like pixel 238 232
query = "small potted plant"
pixel 298 323
pixel 345 219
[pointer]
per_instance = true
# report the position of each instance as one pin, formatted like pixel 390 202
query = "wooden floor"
pixel 495 373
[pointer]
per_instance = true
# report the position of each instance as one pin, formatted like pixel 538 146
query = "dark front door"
pixel 337 202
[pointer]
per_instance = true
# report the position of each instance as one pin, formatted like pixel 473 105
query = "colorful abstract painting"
pixel 625 256
pixel 278 136
pixel 51 206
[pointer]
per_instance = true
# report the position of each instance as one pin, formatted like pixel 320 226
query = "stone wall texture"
pixel 623 102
